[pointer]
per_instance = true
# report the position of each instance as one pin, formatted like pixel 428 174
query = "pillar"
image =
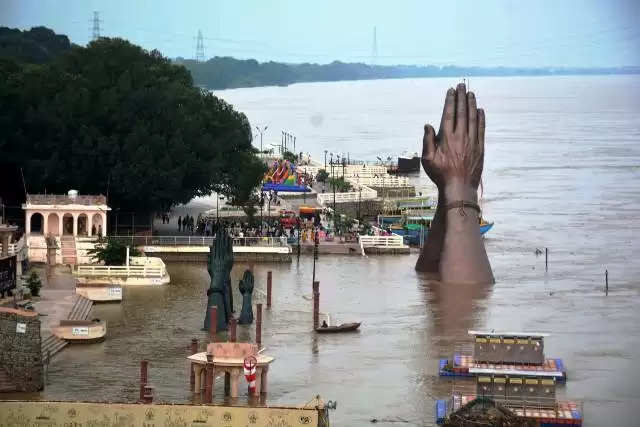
pixel 256 392
pixel 235 374
pixel 89 224
pixel 45 224
pixel 27 223
pixel 208 388
pixel 192 374
pixel 5 243
pixel 143 377
pixel 233 327
pixel 60 222
pixel 263 379
pixel 269 289
pixel 259 325
pixel 75 224
pixel 316 304
pixel 104 224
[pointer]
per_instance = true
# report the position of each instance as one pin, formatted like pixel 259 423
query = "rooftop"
pixel 64 199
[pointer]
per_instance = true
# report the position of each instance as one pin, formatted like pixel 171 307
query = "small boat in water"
pixel 344 327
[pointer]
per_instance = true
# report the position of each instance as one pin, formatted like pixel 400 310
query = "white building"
pixel 61 215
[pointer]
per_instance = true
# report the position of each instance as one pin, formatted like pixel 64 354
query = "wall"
pixel 155 415
pixel 20 353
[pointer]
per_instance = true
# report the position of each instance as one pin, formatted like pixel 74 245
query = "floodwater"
pixel 562 171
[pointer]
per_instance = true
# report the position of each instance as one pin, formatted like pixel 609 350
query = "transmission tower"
pixel 374 49
pixel 199 48
pixel 96 26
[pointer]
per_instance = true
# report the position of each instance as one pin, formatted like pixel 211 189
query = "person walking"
pixel 179 223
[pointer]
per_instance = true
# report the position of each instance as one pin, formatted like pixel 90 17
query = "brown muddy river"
pixel 562 171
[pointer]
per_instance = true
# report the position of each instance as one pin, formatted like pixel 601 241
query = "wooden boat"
pixel 344 327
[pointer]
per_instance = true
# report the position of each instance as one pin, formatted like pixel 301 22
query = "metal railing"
pixel 198 241
pixel 120 271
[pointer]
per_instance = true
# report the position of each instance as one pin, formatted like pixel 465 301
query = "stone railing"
pixel 354 196
pixel 393 241
pixel 384 181
pixel 120 271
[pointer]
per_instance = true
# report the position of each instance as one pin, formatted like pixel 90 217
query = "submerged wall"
pixel 20 351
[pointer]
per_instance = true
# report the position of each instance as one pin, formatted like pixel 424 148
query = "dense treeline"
pixel 36 46
pixel 114 118
pixel 226 72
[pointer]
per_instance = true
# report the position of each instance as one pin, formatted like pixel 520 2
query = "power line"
pixel 96 25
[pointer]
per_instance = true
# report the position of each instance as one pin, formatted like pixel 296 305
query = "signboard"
pixel 115 292
pixel 27 413
pixel 7 275
pixel 21 328
pixel 80 330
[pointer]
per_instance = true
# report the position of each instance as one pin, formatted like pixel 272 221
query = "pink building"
pixel 60 215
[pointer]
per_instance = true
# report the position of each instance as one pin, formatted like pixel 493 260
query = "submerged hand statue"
pixel 220 262
pixel 246 289
pixel 454 160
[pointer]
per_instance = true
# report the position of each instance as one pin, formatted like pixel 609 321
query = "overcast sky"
pixel 586 33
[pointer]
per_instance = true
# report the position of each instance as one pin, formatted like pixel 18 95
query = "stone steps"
pixel 68 250
pixel 81 308
pixel 50 346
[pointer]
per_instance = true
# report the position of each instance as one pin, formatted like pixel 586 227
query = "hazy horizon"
pixel 492 33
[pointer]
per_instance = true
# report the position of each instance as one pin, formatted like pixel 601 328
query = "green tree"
pixel 114 118
pixel 341 185
pixel 288 155
pixel 322 175
pixel 111 252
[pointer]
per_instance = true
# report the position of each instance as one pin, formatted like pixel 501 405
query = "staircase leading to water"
pixel 68 249
pixel 51 344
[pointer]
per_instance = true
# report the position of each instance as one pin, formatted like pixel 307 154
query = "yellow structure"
pixel 75 414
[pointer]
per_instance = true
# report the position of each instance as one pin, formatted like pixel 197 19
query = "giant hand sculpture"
pixel 454 160
pixel 246 289
pixel 220 262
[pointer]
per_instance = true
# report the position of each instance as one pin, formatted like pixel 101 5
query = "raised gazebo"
pixel 71 214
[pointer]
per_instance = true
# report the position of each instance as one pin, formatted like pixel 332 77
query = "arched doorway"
pixel 97 225
pixel 53 224
pixel 82 224
pixel 37 223
pixel 67 224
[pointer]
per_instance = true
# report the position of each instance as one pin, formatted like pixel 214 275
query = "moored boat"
pixel 344 327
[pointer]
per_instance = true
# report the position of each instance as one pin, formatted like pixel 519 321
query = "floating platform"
pixel 81 331
pixel 564 413
pixel 465 366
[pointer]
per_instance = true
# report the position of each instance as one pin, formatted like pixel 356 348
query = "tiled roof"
pixel 63 199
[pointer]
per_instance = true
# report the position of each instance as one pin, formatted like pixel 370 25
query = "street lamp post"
pixel 325 160
pixel 261 131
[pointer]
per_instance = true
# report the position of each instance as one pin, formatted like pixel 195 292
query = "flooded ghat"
pixel 562 172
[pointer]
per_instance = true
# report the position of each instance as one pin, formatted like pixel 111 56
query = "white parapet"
pixel 362 193
pixel 393 241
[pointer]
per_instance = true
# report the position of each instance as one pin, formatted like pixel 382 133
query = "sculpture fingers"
pixel 472 117
pixel 461 109
pixel 481 127
pixel 449 112
pixel 428 143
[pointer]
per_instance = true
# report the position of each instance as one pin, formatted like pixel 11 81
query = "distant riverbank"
pixel 228 73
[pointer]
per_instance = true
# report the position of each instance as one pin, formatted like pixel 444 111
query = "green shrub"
pixel 34 284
